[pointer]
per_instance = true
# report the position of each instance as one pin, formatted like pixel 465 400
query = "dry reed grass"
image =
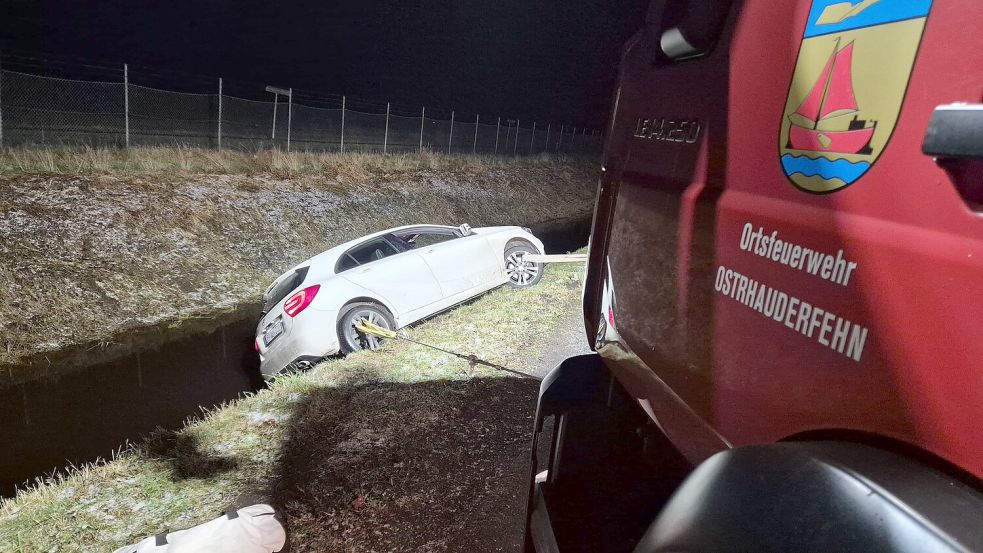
pixel 182 161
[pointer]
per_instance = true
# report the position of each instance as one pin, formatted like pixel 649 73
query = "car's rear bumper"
pixel 310 336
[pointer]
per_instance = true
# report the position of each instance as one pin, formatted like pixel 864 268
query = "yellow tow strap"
pixel 369 328
pixel 366 327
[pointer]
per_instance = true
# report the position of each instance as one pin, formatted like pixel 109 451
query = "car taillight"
pixel 299 301
pixel 256 344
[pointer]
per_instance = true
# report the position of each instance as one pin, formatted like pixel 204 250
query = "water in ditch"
pixel 88 413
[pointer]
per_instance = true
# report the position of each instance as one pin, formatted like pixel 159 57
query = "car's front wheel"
pixel 522 273
pixel 350 338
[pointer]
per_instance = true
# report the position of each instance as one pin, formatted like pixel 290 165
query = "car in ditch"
pixel 391 278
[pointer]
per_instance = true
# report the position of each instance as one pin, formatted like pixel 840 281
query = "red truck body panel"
pixel 879 329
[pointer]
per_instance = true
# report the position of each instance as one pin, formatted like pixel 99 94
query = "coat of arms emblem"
pixel 847 90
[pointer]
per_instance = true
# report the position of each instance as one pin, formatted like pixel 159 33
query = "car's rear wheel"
pixel 522 273
pixel 350 338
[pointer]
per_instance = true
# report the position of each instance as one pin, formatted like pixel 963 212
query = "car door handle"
pixel 365 270
pixel 431 250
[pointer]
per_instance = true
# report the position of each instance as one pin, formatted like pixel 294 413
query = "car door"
pixel 460 264
pixel 401 278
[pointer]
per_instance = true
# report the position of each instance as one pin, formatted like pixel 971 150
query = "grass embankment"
pixel 180 161
pixel 400 449
pixel 98 244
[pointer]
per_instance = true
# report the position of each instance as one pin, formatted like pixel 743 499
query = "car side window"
pixel 374 250
pixel 429 238
pixel 346 262
pixel 401 243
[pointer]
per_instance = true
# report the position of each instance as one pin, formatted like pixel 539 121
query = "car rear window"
pixel 284 287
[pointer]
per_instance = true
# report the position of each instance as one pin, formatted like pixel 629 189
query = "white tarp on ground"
pixel 252 529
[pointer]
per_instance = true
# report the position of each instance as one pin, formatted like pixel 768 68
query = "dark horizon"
pixel 548 61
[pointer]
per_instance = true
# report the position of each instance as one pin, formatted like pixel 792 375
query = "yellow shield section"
pixel 864 71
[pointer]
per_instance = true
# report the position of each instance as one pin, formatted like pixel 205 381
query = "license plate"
pixel 273 333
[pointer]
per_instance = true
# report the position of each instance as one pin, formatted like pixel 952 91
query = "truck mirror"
pixel 688 28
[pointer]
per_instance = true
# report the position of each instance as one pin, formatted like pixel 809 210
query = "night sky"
pixel 535 60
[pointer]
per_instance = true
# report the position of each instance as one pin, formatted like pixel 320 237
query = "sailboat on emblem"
pixel 831 98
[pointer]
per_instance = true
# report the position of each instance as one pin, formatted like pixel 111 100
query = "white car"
pixel 391 278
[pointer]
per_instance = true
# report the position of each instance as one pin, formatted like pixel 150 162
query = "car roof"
pixel 323 263
pixel 341 248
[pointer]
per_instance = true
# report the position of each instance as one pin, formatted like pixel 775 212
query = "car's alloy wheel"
pixel 351 338
pixel 521 273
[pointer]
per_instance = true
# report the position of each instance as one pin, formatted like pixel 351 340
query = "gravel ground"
pixel 569 339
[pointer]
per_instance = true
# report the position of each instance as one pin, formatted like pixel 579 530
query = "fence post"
pixel 498 131
pixel 385 139
pixel 342 124
pixel 423 119
pixel 547 147
pixel 290 114
pixel 126 102
pixel 450 139
pixel 559 143
pixel 276 98
pixel 515 143
pixel 220 113
pixel 1 99
pixel 508 135
pixel 474 149
pixel 532 143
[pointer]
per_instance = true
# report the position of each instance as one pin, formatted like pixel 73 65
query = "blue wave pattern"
pixel 825 168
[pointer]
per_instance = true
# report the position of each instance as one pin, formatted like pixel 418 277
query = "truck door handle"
pixel 955 131
pixel 955 139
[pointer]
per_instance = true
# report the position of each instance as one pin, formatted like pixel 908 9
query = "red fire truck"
pixel 784 291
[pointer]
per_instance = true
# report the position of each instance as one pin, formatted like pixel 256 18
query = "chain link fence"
pixel 46 111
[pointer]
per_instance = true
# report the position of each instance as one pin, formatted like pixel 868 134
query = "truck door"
pixel 775 244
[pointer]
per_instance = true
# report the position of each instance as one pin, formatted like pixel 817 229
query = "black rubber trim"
pixel 577 381
pixel 820 496
pixel 160 540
